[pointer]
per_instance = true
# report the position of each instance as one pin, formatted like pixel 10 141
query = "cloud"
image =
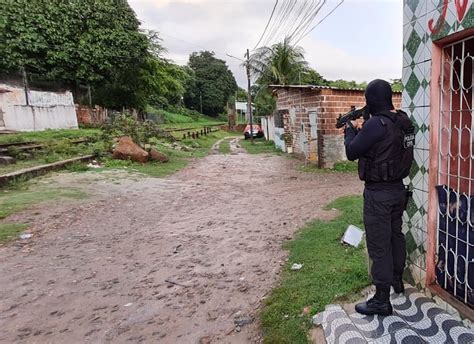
pixel 345 46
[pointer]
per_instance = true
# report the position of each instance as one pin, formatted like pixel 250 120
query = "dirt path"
pixel 174 260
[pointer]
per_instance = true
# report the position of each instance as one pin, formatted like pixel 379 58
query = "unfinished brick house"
pixel 304 122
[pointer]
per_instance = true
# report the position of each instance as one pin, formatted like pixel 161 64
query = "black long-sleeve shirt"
pixel 360 142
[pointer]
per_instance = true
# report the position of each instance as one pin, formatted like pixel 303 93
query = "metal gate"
pixel 455 176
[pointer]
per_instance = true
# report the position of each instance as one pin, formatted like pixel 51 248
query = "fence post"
pixel 197 134
pixel 184 136
pixel 193 135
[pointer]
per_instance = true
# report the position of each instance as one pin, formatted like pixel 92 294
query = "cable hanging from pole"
pixel 266 27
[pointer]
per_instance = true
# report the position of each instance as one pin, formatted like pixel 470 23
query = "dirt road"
pixel 174 260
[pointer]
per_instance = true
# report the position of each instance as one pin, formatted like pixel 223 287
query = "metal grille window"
pixel 278 118
pixel 455 233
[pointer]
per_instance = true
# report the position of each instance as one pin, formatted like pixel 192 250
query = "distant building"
pixel 241 111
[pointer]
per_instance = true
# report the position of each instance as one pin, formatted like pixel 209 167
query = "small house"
pixel 305 120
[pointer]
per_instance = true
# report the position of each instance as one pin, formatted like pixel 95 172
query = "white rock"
pixel 296 266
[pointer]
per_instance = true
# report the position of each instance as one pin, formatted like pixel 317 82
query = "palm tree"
pixel 282 63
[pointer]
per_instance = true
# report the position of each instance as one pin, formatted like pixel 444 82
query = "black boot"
pixel 398 285
pixel 379 304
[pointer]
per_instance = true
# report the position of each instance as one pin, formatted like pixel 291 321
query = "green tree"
pixel 311 77
pixel 344 84
pixel 156 82
pixel 241 95
pixel 263 100
pixel 74 41
pixel 282 63
pixel 212 86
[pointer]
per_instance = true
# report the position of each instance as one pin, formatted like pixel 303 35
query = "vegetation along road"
pixel 182 259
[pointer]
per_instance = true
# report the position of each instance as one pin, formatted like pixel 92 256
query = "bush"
pixel 140 132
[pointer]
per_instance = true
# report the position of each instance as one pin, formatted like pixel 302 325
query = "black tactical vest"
pixel 390 159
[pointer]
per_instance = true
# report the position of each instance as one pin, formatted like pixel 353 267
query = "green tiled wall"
pixel 417 43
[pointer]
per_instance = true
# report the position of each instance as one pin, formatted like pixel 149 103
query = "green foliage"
pixel 281 64
pixel 344 84
pixel 178 115
pixel 154 81
pixel 140 132
pixel 74 41
pixel 311 77
pixel 263 100
pixel 260 146
pixel 212 85
pixel 241 95
pixel 95 43
pixel 330 272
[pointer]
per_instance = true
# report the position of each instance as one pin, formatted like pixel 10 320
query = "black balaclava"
pixel 378 96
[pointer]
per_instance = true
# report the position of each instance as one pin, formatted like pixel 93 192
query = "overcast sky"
pixel 361 40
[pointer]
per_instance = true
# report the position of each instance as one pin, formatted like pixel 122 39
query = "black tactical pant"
pixel 383 212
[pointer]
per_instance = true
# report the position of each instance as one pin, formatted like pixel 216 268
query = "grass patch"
pixel 341 166
pixel 178 159
pixel 48 135
pixel 345 166
pixel 260 146
pixel 331 272
pixel 10 231
pixel 224 147
pixel 179 117
pixel 20 197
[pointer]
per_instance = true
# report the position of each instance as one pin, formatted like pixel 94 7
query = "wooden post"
pixel 189 134
pixel 184 136
pixel 197 134
pixel 193 135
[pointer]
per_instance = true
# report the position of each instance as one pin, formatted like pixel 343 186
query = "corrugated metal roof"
pixel 319 87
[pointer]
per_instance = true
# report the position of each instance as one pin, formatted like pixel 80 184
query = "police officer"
pixel 384 147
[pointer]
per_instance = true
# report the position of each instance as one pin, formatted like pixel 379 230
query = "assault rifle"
pixel 351 115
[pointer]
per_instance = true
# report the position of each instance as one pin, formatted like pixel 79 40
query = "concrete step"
pixel 416 319
pixel 7 160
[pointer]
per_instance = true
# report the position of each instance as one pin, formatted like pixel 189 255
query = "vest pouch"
pixel 364 169
pixel 383 171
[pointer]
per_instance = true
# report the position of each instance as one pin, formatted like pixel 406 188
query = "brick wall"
pixel 327 146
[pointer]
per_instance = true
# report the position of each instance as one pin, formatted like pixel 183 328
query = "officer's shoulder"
pixel 376 122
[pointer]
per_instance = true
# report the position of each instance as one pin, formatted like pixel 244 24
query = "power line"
pixel 266 27
pixel 327 15
pixel 196 45
pixel 278 19
pixel 310 16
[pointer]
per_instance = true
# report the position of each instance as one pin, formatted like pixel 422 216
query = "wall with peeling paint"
pixel 42 110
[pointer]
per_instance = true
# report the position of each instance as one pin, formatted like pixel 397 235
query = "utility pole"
pixel 200 99
pixel 25 85
pixel 89 95
pixel 249 97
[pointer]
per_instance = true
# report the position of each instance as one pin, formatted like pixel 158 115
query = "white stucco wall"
pixel 46 110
